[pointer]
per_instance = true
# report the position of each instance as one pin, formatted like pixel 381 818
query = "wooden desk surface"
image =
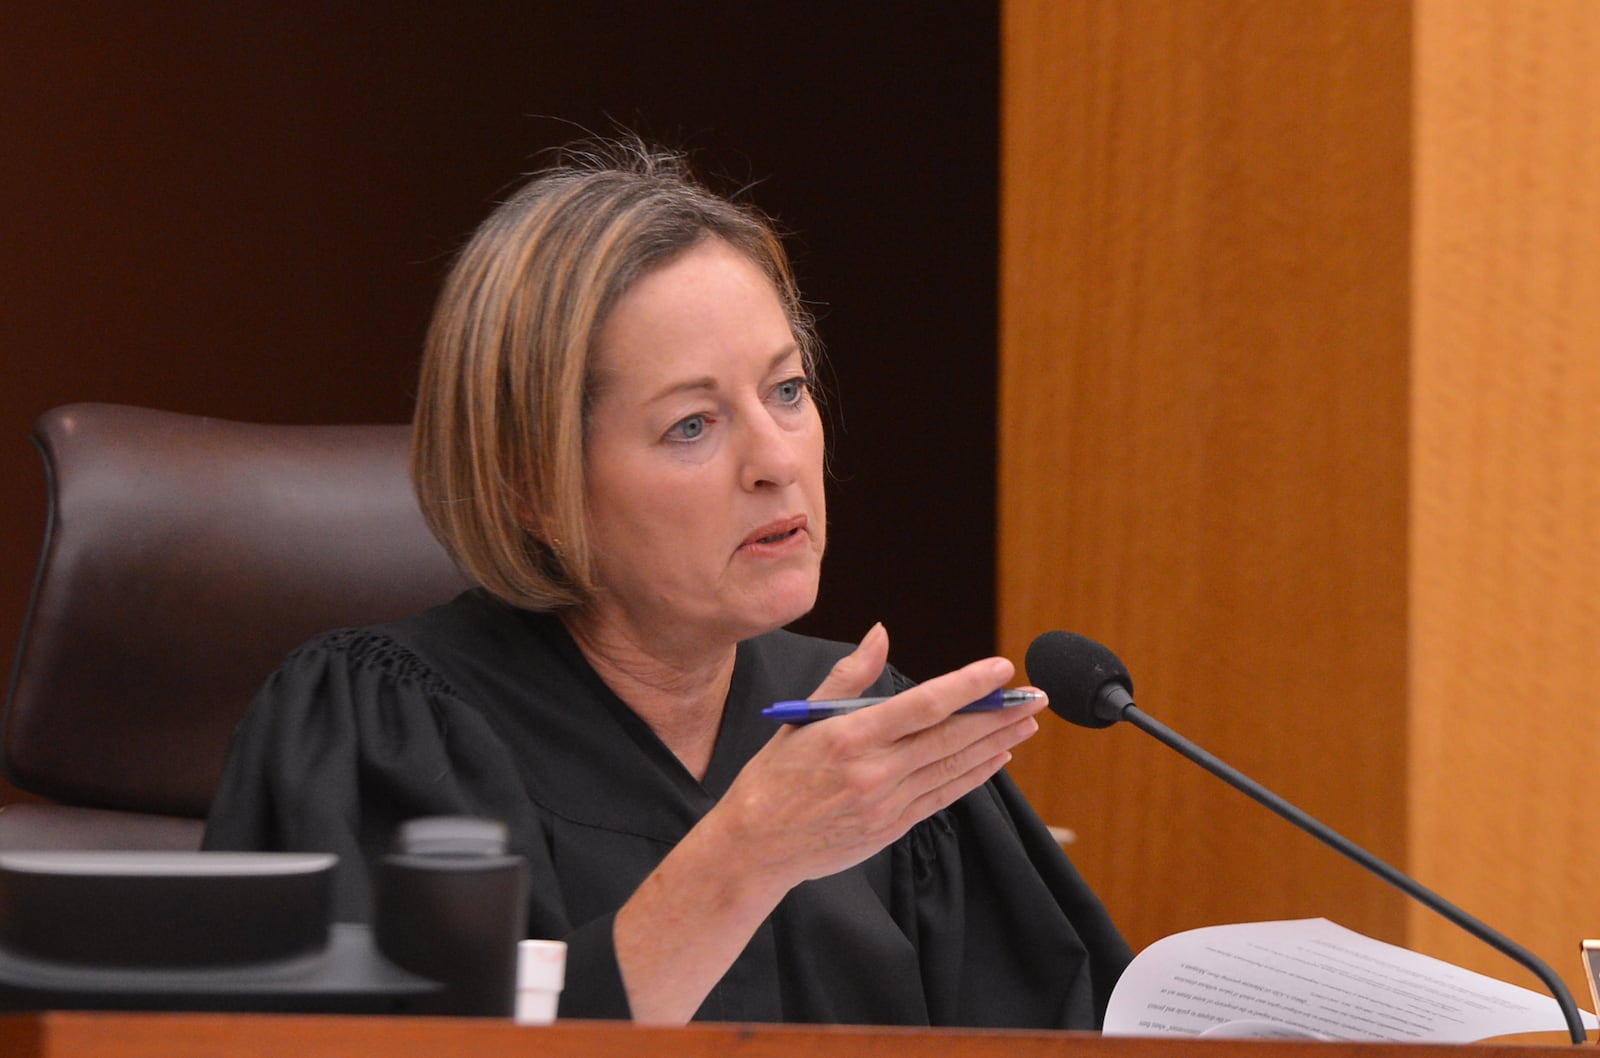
pixel 61 1034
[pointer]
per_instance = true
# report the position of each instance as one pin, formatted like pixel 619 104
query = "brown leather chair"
pixel 184 557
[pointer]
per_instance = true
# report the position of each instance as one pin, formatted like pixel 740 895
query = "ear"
pixel 524 513
pixel 538 528
pixel 525 517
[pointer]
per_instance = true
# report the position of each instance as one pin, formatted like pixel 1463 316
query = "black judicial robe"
pixel 975 917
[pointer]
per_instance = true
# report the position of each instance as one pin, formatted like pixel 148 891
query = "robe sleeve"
pixel 1008 933
pixel 352 737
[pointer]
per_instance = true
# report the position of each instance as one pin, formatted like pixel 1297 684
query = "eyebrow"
pixel 709 383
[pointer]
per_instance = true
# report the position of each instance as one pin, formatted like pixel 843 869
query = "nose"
pixel 771 457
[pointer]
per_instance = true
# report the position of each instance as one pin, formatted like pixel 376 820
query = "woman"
pixel 616 438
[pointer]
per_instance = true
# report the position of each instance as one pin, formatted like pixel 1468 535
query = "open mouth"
pixel 776 533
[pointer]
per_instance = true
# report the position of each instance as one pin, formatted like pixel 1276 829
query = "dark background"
pixel 245 210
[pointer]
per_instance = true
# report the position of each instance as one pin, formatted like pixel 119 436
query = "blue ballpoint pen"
pixel 803 711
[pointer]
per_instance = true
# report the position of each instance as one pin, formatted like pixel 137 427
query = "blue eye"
pixel 688 429
pixel 790 390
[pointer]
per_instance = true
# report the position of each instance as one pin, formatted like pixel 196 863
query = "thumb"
pixel 857 670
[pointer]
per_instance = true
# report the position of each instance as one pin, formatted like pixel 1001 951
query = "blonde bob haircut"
pixel 507 373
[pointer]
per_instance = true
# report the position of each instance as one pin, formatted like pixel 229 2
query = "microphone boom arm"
pixel 1339 843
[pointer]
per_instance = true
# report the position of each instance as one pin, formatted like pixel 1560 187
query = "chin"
pixel 785 608
pixel 793 615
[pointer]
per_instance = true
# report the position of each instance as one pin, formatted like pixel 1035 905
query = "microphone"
pixel 1090 687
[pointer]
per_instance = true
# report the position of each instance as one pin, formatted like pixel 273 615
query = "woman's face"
pixel 703 458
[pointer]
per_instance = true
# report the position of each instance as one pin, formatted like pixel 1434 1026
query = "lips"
pixel 775 533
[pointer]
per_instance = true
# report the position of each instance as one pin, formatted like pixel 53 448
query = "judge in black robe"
pixel 975 917
pixel 617 440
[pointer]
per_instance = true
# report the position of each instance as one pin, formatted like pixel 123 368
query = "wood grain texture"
pixel 1301 414
pixel 1505 578
pixel 1203 433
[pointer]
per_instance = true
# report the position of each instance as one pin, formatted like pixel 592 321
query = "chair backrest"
pixel 184 557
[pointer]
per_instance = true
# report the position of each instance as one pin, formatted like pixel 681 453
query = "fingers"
pixel 933 742
pixel 963 751
pixel 859 669
pixel 948 793
pixel 948 777
pixel 820 797
pixel 930 703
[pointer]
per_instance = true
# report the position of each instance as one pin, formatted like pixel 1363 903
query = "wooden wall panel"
pixel 1301 414
pixel 1203 425
pixel 1505 476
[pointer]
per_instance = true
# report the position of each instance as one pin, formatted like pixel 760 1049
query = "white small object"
pixel 541 972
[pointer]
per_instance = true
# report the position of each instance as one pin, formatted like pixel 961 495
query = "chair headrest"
pixel 184 558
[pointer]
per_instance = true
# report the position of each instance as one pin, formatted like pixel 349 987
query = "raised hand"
pixel 824 796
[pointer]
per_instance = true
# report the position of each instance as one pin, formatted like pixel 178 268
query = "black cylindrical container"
pixel 451 906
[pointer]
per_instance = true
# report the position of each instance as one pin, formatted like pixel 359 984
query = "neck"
pixel 680 695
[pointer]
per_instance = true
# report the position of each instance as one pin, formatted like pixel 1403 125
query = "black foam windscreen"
pixel 1072 670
